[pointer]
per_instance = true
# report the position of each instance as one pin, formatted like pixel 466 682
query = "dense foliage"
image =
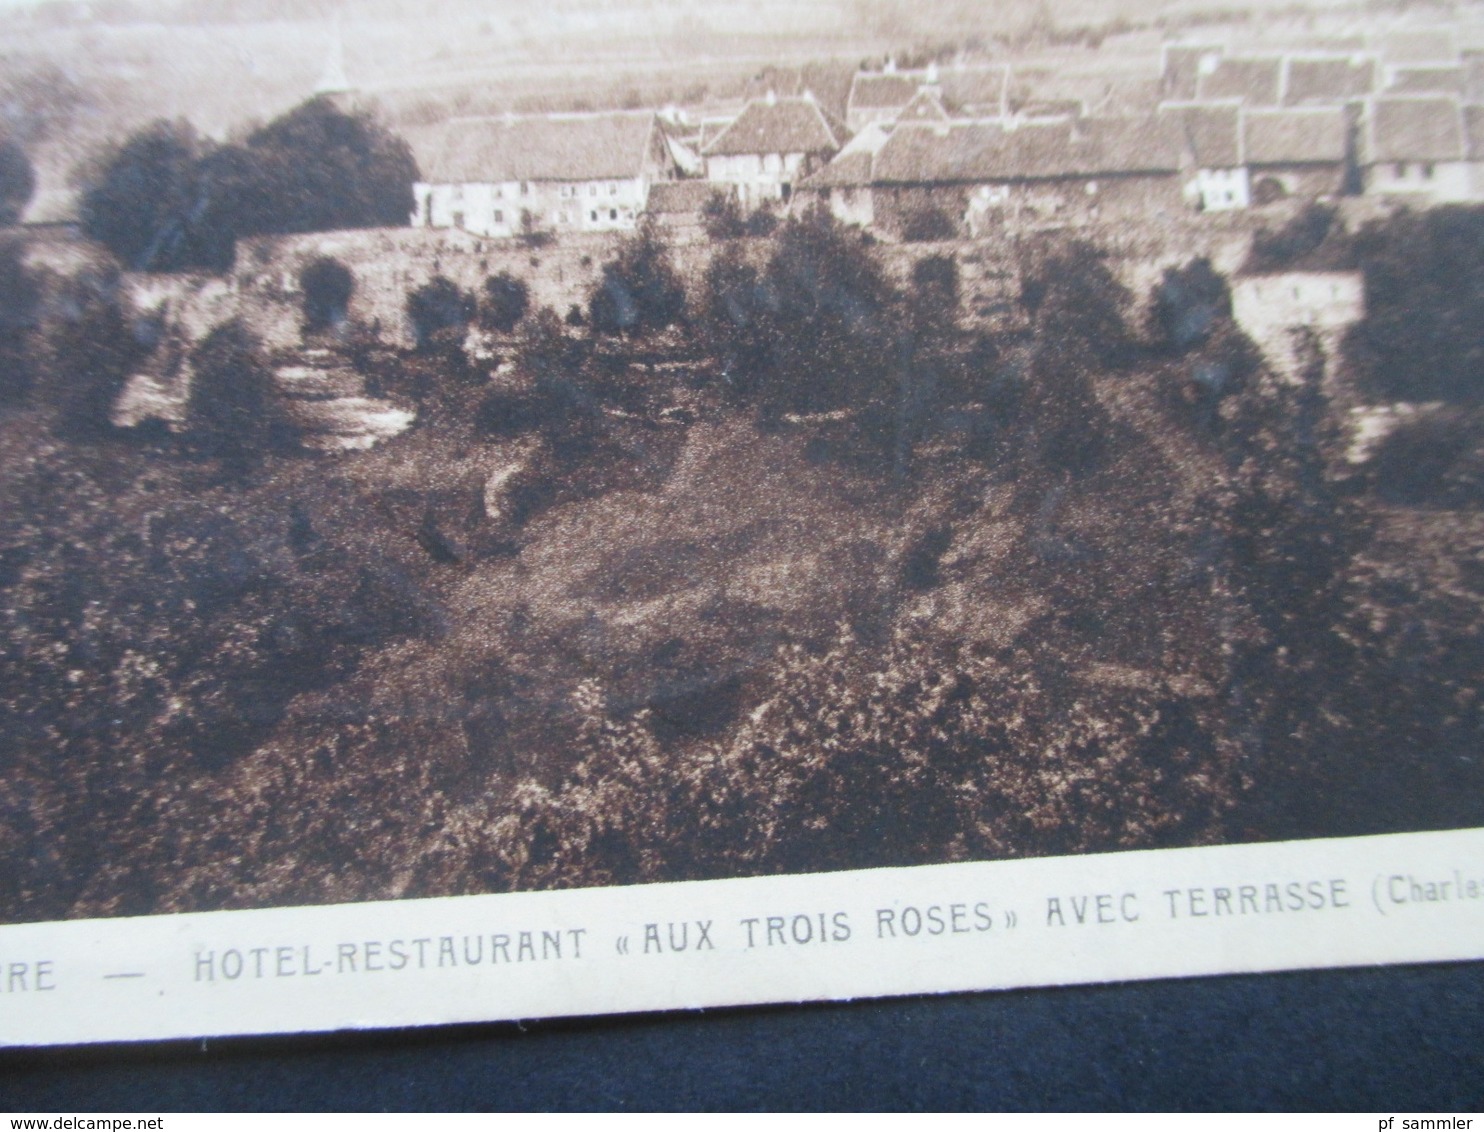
pixel 504 302
pixel 847 584
pixel 639 292
pixel 166 199
pixel 1422 338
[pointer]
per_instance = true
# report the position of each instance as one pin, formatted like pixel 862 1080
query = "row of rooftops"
pixel 934 148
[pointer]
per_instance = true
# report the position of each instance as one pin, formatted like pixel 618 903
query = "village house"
pixel 1414 150
pixel 879 96
pixel 1210 137
pixel 774 144
pixel 1182 65
pixel 560 172
pixel 1296 153
pixel 994 174
pixel 1254 81
pixel 678 207
pixel 1324 79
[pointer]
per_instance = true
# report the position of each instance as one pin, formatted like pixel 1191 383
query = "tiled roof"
pixel 1211 133
pixel 1181 72
pixel 987 151
pixel 1255 80
pixel 879 91
pixel 974 89
pixel 1414 129
pixel 926 106
pixel 1427 80
pixel 854 165
pixel 1473 132
pixel 787 125
pixel 1294 137
pixel 1333 78
pixel 668 197
pixel 578 147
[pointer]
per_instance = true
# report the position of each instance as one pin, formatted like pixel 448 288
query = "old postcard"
pixel 511 512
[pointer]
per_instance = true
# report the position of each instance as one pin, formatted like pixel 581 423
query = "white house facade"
pixel 502 177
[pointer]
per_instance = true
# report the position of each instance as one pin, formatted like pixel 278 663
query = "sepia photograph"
pixel 477 448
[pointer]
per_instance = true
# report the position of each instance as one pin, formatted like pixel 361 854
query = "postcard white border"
pixel 1401 898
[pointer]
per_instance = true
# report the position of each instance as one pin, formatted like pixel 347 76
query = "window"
pixel 594 215
pixel 458 219
pixel 1399 169
pixel 592 190
pixel 525 188
pixel 1427 171
pixel 612 188
pixel 499 216
pixel 613 214
pixel 499 191
pixel 458 192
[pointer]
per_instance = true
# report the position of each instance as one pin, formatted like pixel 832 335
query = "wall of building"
pixel 1306 182
pixel 760 177
pixel 497 209
pixel 1220 190
pixel 1429 182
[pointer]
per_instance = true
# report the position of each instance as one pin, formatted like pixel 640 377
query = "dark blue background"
pixel 1395 1039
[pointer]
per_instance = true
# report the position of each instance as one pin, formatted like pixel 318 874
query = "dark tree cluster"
pixel 723 219
pixel 1422 338
pixel 167 199
pixel 639 292
pixel 440 312
pixel 1314 238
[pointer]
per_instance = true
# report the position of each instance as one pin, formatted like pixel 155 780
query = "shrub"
pixel 1301 239
pixel 1187 304
pixel 234 413
pixel 505 302
pixel 327 285
pixel 721 217
pixel 438 306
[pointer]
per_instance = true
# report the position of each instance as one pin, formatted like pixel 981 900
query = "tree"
pixel 1422 338
pixel 145 201
pixel 830 309
pixel 167 200
pixel 1187 304
pixel 234 413
pixel 439 306
pixel 639 292
pixel 505 302
pixel 735 321
pixel 327 285
pixel 17 181
pixel 93 349
pixel 322 168
pixel 1077 303
pixel 1315 232
pixel 935 292
pixel 721 217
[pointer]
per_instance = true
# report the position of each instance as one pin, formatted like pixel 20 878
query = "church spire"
pixel 333 80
